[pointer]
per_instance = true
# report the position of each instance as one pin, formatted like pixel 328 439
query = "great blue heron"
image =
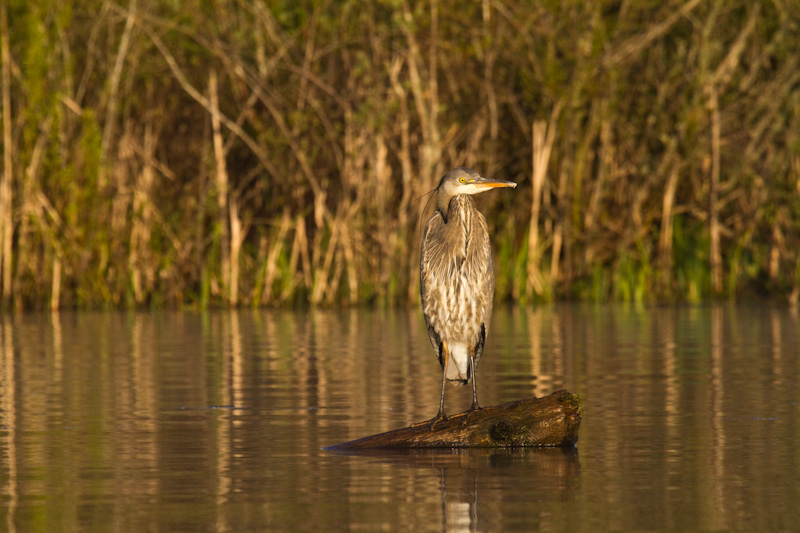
pixel 456 278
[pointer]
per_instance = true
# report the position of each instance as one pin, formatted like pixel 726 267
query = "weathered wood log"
pixel 549 421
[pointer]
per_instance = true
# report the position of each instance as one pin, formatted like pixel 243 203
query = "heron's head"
pixel 463 180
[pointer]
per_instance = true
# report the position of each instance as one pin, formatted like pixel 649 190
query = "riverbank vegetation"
pixel 242 152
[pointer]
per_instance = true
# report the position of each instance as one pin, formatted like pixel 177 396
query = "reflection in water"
pixel 468 478
pixel 215 421
pixel 8 423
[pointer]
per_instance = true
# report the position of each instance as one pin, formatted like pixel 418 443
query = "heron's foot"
pixel 440 417
pixel 475 407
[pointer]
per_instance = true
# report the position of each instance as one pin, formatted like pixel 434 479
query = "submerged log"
pixel 549 421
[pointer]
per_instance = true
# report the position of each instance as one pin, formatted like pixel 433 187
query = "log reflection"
pixel 468 481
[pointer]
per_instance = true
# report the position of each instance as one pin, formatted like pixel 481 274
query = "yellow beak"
pixel 487 183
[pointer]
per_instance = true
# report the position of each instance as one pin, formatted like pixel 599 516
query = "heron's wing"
pixel 428 274
pixel 481 250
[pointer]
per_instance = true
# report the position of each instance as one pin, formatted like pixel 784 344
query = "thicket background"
pixel 240 152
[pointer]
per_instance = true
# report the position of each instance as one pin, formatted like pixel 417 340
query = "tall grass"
pixel 249 153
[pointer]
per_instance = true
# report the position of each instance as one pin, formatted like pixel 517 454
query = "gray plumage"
pixel 457 278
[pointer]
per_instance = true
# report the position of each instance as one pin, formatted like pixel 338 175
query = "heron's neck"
pixel 448 205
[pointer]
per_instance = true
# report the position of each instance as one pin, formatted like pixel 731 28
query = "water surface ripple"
pixel 183 421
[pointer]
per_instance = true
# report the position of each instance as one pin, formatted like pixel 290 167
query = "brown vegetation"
pixel 237 152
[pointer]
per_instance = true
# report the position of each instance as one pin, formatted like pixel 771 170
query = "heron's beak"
pixel 488 183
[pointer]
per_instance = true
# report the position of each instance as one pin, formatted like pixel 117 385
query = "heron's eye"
pixel 462 180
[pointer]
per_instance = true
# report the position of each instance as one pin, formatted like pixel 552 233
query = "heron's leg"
pixel 444 381
pixel 445 353
pixel 445 358
pixel 475 405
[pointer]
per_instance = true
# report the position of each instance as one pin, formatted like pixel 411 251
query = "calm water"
pixel 178 421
